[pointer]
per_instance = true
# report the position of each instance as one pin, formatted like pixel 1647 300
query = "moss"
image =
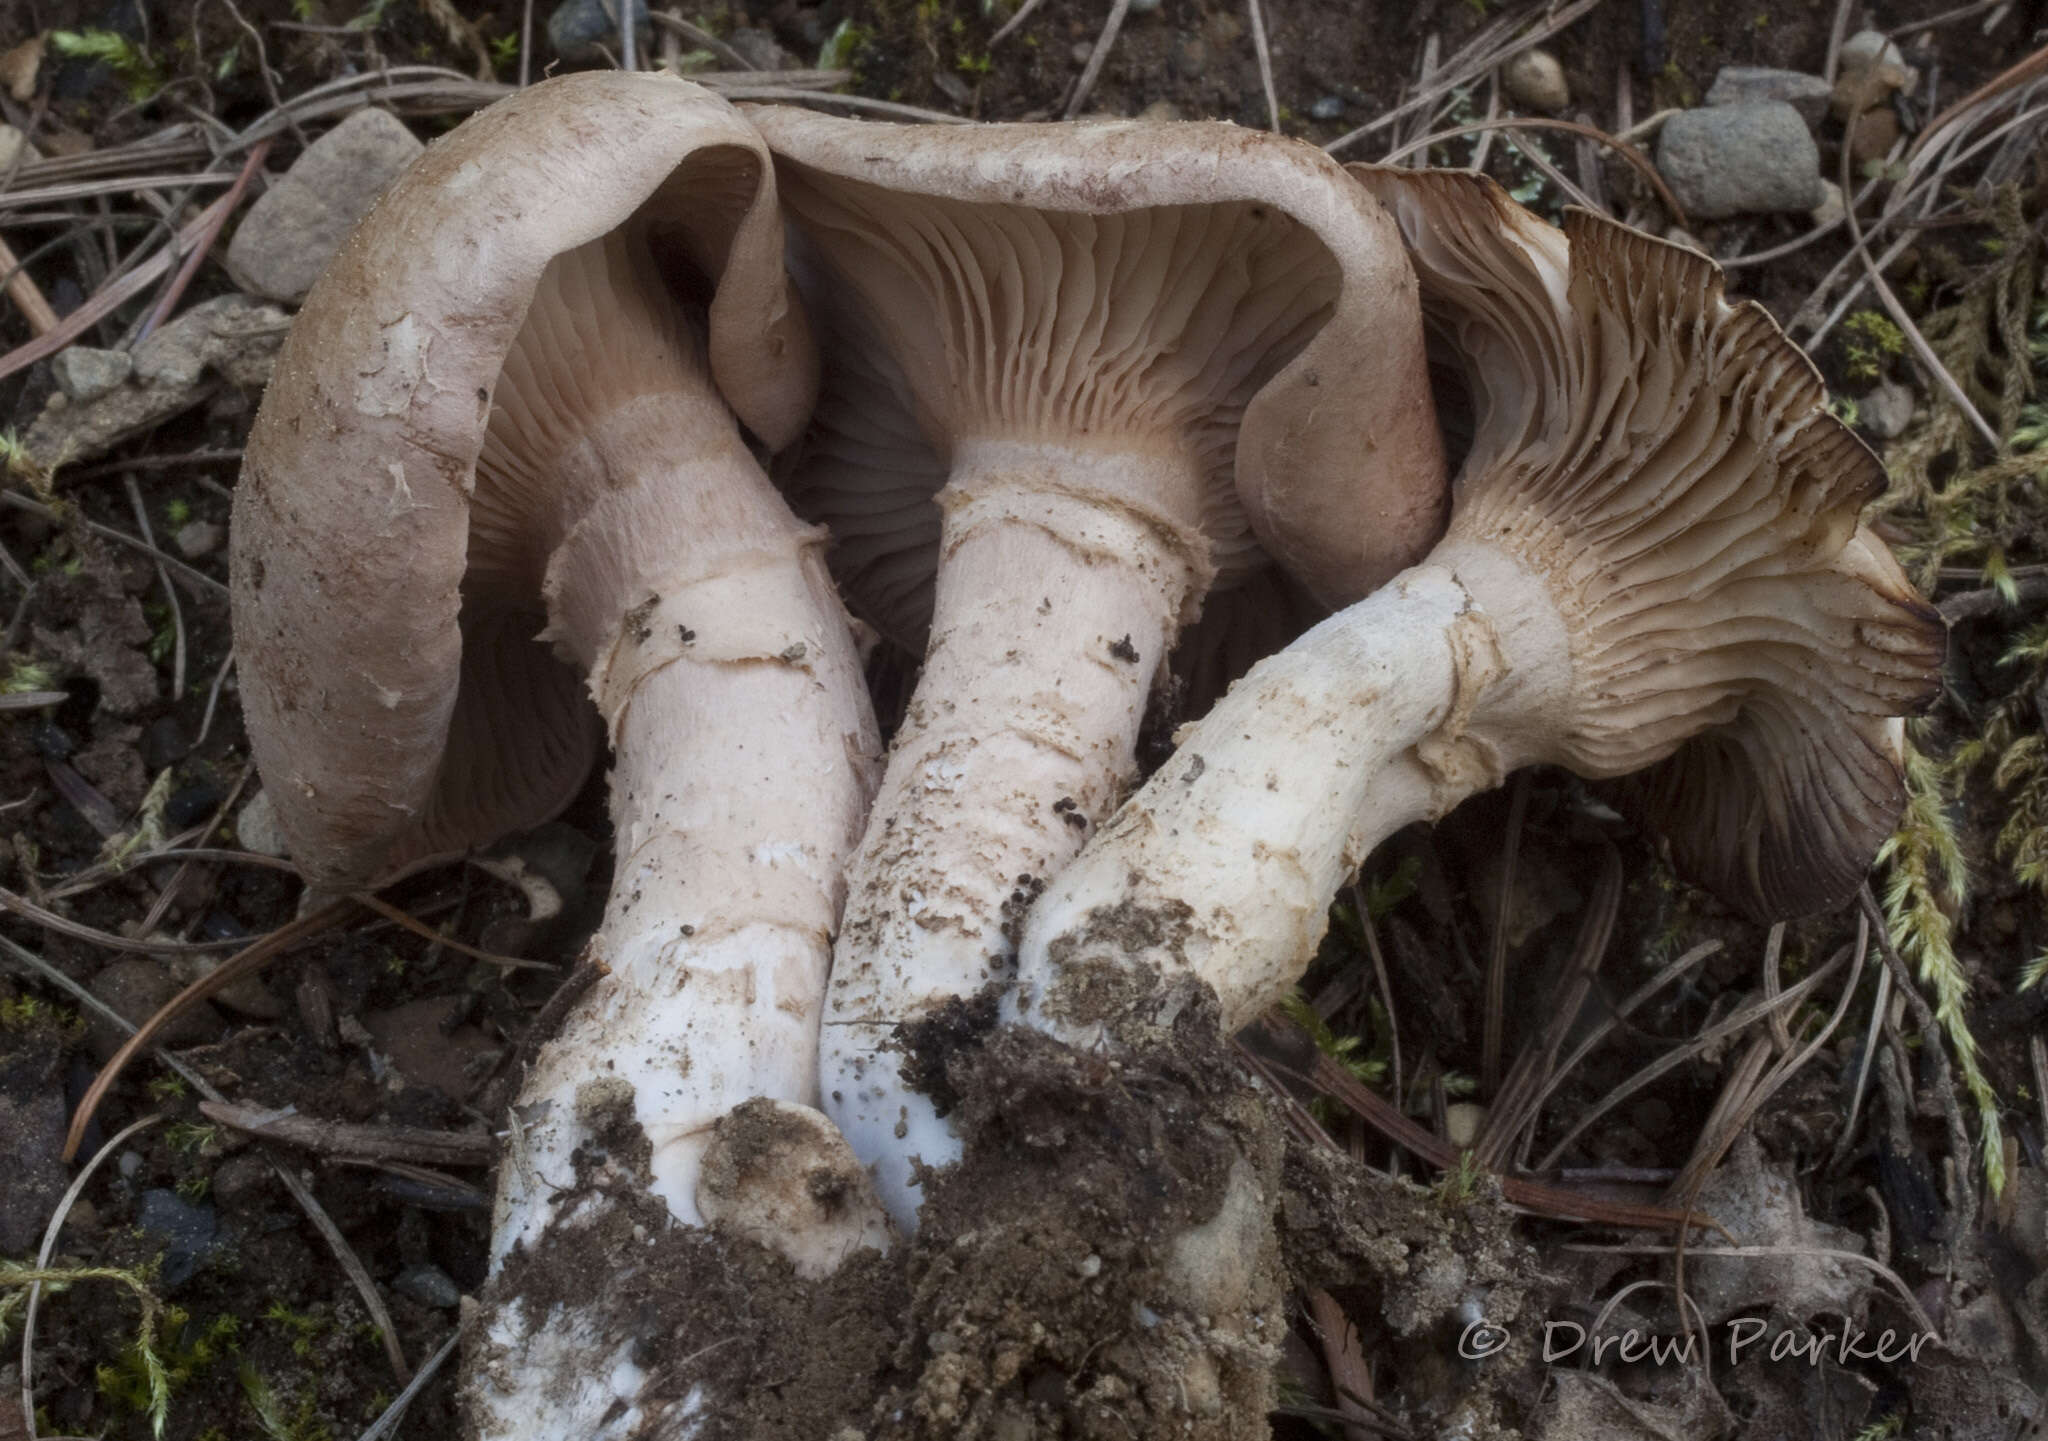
pixel 1870 343
pixel 25 1012
pixel 2013 753
pixel 131 63
pixel 303 1328
pixel 285 1414
pixel 1927 883
pixel 180 1354
pixel 1992 336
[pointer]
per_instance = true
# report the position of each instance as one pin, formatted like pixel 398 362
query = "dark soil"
pixel 1022 1311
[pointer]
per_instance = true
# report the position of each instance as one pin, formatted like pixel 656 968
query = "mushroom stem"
pixel 717 936
pixel 725 673
pixel 736 791
pixel 1055 607
pixel 1391 711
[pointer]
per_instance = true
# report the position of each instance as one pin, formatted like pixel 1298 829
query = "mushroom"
pixel 1142 354
pixel 497 466
pixel 1653 570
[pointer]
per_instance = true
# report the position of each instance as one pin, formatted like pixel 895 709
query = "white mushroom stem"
pixel 725 672
pixel 1054 610
pixel 734 796
pixel 1390 711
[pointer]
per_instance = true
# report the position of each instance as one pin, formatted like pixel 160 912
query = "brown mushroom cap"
pixel 1666 461
pixel 1204 287
pixel 353 528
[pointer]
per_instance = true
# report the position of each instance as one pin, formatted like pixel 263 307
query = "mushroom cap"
pixel 1191 286
pixel 393 715
pixel 1741 645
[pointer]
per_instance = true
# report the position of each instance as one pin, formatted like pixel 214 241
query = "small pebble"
pixel 1740 84
pixel 83 1219
pixel 1330 107
pixel 289 234
pixel 11 143
pixel 1886 411
pixel 240 1180
pixel 953 87
pixel 428 1285
pixel 84 373
pixel 1536 81
pixel 1740 159
pixel 1865 93
pixel 1144 7
pixel 581 31
pixel 1876 132
pixel 186 1230
pixel 758 48
pixel 52 741
pixel 1160 112
pixel 1866 48
pixel 191 803
pixel 1830 208
pixel 1462 1120
pixel 1081 50
pixel 257 828
pixel 197 539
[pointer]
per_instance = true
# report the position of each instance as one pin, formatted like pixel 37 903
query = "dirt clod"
pixel 1101 1263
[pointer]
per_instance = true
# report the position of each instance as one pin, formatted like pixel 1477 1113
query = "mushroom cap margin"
pixel 350 528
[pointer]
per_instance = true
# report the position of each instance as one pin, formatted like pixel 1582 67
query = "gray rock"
pixel 1329 107
pixel 758 48
pixel 584 31
pixel 12 143
pixel 301 220
pixel 953 87
pixel 1869 47
pixel 232 337
pixel 197 539
pixel 187 1231
pixel 233 334
pixel 1748 84
pixel 1536 81
pixel 1144 7
pixel 1831 208
pixel 84 373
pixel 428 1285
pixel 257 828
pixel 1760 1205
pixel 1886 411
pixel 241 1181
pixel 1740 159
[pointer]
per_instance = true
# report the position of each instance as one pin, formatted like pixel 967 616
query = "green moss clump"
pixel 1870 344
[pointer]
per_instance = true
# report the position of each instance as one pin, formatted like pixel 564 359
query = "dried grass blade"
pixel 111 296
